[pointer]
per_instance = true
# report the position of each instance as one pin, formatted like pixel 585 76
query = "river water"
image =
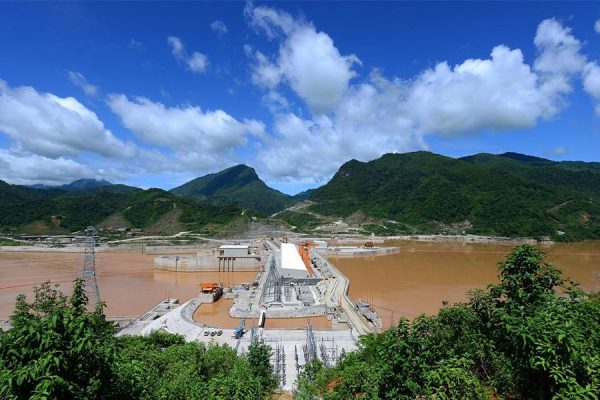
pixel 128 282
pixel 408 283
pixel 423 275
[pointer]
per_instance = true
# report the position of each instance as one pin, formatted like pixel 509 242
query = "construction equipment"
pixel 304 250
pixel 239 331
pixel 210 287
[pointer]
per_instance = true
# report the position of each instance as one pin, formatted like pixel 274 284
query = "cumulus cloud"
pixel 364 118
pixel 597 26
pixel 31 169
pixel 52 126
pixel 591 79
pixel 308 61
pixel 499 93
pixel 197 62
pixel 200 139
pixel 591 82
pixel 219 27
pixel 365 125
pixel 559 60
pixel 79 80
pixel 28 169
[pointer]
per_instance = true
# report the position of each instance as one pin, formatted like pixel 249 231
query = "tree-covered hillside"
pixel 30 210
pixel 498 195
pixel 236 185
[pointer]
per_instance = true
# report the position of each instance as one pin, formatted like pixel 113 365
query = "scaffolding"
pixel 280 364
pixel 273 284
pixel 310 348
pixel 329 354
pixel 89 267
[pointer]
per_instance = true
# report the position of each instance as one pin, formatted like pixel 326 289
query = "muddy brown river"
pixel 128 282
pixel 423 275
pixel 414 281
pixel 217 315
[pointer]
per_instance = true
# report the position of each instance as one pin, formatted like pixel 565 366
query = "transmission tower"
pixel 89 267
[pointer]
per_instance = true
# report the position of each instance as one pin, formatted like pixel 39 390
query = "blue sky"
pixel 154 94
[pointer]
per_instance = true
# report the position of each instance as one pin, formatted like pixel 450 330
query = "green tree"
pixel 525 279
pixel 56 348
pixel 259 356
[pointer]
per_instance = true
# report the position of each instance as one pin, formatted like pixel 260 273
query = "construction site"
pixel 293 284
pixel 283 291
pixel 293 292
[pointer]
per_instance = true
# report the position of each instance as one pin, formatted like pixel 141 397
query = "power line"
pixel 89 266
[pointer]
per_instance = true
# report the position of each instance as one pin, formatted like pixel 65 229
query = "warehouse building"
pixel 291 265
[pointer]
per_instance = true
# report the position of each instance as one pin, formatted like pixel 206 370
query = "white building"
pixel 292 265
pixel 233 250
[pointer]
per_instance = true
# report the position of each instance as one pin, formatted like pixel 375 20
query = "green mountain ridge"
pixel 504 195
pixel 87 185
pixel 29 210
pixel 239 185
pixel 507 194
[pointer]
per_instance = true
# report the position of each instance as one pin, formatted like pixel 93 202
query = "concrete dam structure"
pixel 223 258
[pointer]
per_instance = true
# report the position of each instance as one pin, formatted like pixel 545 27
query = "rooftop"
pixel 290 258
pixel 234 246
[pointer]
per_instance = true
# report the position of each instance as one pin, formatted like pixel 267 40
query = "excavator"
pixel 239 331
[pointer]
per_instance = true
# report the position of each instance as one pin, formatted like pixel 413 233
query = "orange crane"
pixel 304 250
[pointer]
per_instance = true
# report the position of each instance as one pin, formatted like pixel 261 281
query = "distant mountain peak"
pixel 86 184
pixel 525 158
pixel 238 185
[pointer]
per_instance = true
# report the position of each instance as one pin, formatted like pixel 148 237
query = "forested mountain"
pixel 29 210
pixel 238 185
pixel 88 185
pixel 509 194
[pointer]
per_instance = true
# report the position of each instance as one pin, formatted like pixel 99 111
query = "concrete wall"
pixel 234 251
pixel 202 262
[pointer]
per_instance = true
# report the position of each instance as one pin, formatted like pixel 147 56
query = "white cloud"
pixel 379 115
pixel 177 47
pixel 53 126
pixel 79 80
pixel 591 82
pixel 200 139
pixel 591 79
pixel 365 125
pixel 499 93
pixel 559 50
pixel 307 60
pixel 28 169
pixel 197 62
pixel 559 60
pixel 219 27
pixel 597 26
pixel 271 21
